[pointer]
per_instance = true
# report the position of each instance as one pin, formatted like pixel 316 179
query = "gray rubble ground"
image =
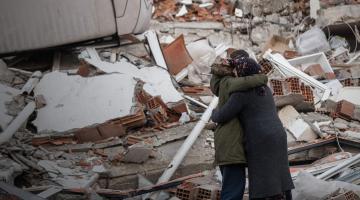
pixel 271 17
pixel 199 158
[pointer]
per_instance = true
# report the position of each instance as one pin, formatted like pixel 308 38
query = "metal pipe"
pixel 185 147
pixel 155 48
pixel 335 170
pixel 17 122
pixel 195 101
pixel 281 63
pixel 31 83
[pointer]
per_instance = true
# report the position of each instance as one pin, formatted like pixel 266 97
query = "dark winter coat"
pixel 265 141
pixel 228 137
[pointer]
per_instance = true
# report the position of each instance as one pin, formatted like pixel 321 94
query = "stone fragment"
pixel 5 74
pixel 355 125
pixel 356 114
pixel 340 126
pixel 293 123
pixel 137 153
pixel 339 120
pixel 273 18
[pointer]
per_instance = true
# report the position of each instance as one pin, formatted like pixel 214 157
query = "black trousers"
pixel 286 196
pixel 233 181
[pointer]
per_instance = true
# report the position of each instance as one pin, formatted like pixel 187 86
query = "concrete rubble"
pixel 130 118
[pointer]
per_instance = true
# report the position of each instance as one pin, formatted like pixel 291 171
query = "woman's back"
pixel 265 144
pixel 265 141
pixel 259 111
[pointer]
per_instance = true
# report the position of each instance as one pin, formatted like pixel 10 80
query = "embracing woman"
pixel 265 137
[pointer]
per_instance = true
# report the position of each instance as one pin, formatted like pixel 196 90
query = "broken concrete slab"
pixel 293 122
pixel 290 99
pixel 6 94
pixel 9 170
pixel 335 87
pixel 351 94
pixel 5 74
pixel 76 102
pixel 157 80
pixel 199 158
pixel 203 57
pixel 312 41
pixel 336 13
pixel 19 120
pixel 74 177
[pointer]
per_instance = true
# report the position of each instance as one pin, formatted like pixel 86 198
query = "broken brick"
pixel 87 135
pixel 83 70
pixel 266 66
pixel 186 191
pixel 345 109
pixel 108 130
pixel 131 140
pixel 288 54
pixel 176 55
pixel 315 70
pixel 138 119
pixel 307 92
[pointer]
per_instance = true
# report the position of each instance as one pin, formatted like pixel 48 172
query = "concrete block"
pixel 5 74
pixel 137 154
pixel 293 123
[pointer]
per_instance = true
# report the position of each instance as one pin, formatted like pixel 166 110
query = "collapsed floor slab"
pixel 75 102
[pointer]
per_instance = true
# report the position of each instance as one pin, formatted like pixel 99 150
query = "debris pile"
pixel 97 117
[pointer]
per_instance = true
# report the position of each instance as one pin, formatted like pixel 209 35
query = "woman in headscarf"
pixel 265 137
pixel 229 148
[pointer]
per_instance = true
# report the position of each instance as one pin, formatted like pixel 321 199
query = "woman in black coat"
pixel 265 137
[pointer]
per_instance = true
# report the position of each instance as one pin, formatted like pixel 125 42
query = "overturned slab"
pixel 76 102
pixel 351 94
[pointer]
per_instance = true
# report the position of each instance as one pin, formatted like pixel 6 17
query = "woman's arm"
pixel 246 82
pixel 230 110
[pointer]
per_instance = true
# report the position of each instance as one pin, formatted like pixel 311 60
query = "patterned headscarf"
pixel 238 54
pixel 247 67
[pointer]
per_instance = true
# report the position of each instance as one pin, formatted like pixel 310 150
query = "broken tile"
pixel 176 55
pixel 345 109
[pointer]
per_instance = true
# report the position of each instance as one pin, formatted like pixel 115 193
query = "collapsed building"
pixel 129 117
